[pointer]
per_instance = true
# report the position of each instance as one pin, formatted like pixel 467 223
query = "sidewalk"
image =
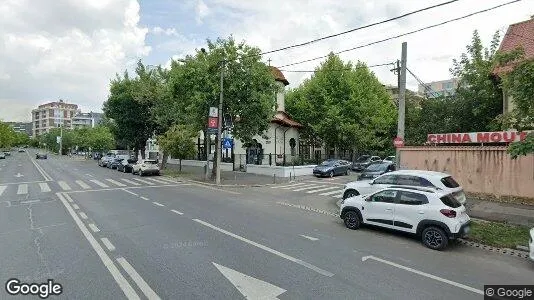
pixel 503 212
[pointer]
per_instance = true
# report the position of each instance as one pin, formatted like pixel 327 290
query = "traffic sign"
pixel 212 130
pixel 213 122
pixel 398 142
pixel 227 143
pixel 214 112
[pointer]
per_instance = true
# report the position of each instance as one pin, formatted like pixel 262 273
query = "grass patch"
pixel 176 173
pixel 498 234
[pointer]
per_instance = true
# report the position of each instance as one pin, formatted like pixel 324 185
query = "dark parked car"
pixel 113 163
pixel 103 162
pixel 126 165
pixel 41 155
pixel 364 161
pixel 376 169
pixel 332 167
pixel 97 155
pixel 2 155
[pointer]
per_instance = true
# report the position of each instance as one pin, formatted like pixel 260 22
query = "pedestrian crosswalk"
pixel 314 187
pixel 77 185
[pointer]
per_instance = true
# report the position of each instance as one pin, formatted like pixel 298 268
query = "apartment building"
pixel 24 127
pixel 52 115
pixel 90 119
pixel 439 88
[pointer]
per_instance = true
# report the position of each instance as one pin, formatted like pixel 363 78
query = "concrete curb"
pixel 228 185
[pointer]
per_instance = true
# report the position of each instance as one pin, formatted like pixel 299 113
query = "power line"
pixel 358 28
pixel 345 69
pixel 428 89
pixel 404 34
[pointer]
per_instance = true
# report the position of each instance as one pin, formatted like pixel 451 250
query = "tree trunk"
pixel 180 165
pixel 164 160
pixel 215 154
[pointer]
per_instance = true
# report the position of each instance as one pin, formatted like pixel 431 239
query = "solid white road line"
pixel 125 286
pixel 28 202
pixel 23 189
pixel 145 198
pixel 456 284
pixel 44 187
pixel 308 188
pixel 115 182
pixel 309 237
pixel 108 244
pixel 75 206
pixel 270 250
pixel 83 185
pixel 64 185
pixel 285 187
pixel 129 181
pixel 99 183
pixel 323 189
pixel 83 215
pixel 158 204
pixel 2 189
pixel 94 228
pixel 177 212
pixel 331 193
pixel 40 169
pixel 144 181
pixel 127 191
pixel 141 283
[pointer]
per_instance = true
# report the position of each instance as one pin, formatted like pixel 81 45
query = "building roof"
pixel 519 34
pixel 283 118
pixel 278 75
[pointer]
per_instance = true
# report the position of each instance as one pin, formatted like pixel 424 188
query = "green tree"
pixel 344 106
pixel 178 141
pixel 7 136
pixel 100 138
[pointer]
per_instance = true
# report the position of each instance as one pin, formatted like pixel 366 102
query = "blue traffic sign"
pixel 227 143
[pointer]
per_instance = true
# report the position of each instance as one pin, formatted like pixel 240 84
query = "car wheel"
pixel 141 173
pixel 350 193
pixel 347 172
pixel 352 220
pixel 331 174
pixel 434 238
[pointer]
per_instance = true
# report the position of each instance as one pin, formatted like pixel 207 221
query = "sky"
pixel 71 49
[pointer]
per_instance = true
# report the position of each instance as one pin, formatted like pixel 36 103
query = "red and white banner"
pixel 477 137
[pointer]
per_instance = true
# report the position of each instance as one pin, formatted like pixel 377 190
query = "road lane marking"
pixel 44 187
pixel 270 250
pixel 309 237
pixel 309 188
pixel 30 201
pixel 285 187
pixel 330 193
pixel 158 204
pixel 338 195
pixel 83 185
pixel 214 188
pixel 323 189
pixel 99 183
pixel 145 198
pixel 108 244
pixel 2 189
pixel 157 180
pixel 94 228
pixel 141 283
pixel 456 284
pixel 129 181
pixel 75 206
pixel 89 175
pixel 83 215
pixel 64 185
pixel 40 169
pixel 130 187
pixel 23 189
pixel 168 180
pixel 129 192
pixel 144 181
pixel 115 182
pixel 177 212
pixel 125 286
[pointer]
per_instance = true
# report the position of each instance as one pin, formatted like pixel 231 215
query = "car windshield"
pixel 328 163
pixel 377 167
pixel 363 158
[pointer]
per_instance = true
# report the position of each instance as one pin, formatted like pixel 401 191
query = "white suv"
pixel 145 167
pixel 434 216
pixel 418 178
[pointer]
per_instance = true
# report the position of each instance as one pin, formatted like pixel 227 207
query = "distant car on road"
pixel 531 244
pixel 417 178
pixel 389 159
pixel 21 150
pixel 126 165
pixel 331 168
pixel 7 153
pixel 40 155
pixel 145 167
pixel 376 169
pixel 364 161
pixel 2 155
pixel 435 216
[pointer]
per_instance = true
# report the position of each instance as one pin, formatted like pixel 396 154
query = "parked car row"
pixel 128 164
pixel 371 166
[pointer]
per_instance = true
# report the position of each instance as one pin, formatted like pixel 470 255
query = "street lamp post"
pixel 219 130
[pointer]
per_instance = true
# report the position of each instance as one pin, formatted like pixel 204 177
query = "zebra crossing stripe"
pixel 331 193
pixel 144 181
pixel 289 186
pixel 44 187
pixel 309 187
pixel 64 185
pixel 115 182
pixel 157 180
pixel 2 189
pixel 129 181
pixel 99 183
pixel 323 189
pixel 23 189
pixel 82 184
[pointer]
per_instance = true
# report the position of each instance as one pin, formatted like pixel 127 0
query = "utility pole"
pixel 61 138
pixel 219 130
pixel 402 101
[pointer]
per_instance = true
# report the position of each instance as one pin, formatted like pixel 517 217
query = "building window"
pixel 292 144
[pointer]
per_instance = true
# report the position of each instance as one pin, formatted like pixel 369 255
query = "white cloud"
pixel 66 49
pixel 202 11
pixel 164 31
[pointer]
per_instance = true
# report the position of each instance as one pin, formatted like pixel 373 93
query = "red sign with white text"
pixel 213 122
pixel 477 137
pixel 398 142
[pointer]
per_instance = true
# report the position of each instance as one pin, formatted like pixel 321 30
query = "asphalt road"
pixel 108 235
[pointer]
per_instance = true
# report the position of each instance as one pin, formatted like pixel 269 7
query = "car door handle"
pixel 389 208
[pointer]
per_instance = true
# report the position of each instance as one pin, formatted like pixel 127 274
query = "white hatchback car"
pixel 434 216
pixel 418 178
pixel 145 167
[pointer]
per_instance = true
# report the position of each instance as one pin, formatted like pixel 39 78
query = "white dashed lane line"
pixel 108 244
pixel 177 212
pixel 158 204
